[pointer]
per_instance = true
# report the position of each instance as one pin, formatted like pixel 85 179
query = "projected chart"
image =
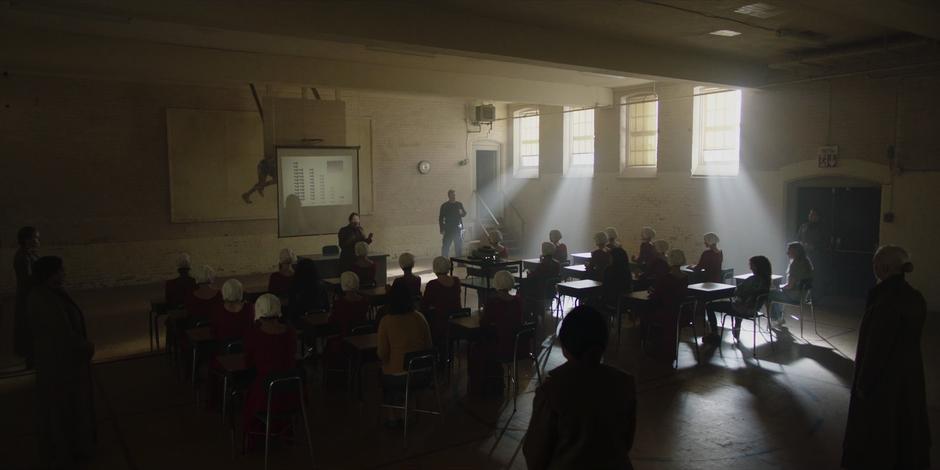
pixel 318 181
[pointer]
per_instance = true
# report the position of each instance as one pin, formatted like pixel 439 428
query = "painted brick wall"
pixel 88 158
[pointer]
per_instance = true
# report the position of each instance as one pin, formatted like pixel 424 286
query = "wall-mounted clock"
pixel 424 167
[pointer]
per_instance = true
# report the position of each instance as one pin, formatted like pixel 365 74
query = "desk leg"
pixel 150 322
pixel 224 397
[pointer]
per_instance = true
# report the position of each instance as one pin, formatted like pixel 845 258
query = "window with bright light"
pixel 526 142
pixel 579 142
pixel 639 134
pixel 716 135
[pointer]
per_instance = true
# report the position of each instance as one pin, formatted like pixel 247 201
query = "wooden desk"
pixel 639 295
pixel 531 263
pixel 363 343
pixel 466 323
pixel 706 291
pixel 581 258
pixel 198 337
pixel 577 271
pixel 580 290
pixel 775 279
pixel 365 347
pixel 317 320
pixel 328 266
pixel 696 276
pixel 231 364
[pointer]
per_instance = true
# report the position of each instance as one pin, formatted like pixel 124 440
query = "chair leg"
pixel 224 397
pixel 756 322
pixel 404 438
pixel 677 345
pixel 801 318
pixel 812 309
pixel 515 383
pixel 303 411
pixel 267 436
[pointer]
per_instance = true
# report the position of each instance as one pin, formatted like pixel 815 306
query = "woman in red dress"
pixel 647 251
pixel 600 257
pixel 561 250
pixel 229 320
pixel 710 261
pixel 279 282
pixel 176 290
pixel 656 268
pixel 666 297
pixel 363 267
pixel 441 298
pixel 270 348
pixel 500 319
pixel 205 297
pixel 408 280
pixel 349 310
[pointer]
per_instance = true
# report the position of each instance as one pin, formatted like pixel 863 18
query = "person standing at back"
pixel 26 255
pixel 816 240
pixel 450 221
pixel 584 414
pixel 888 426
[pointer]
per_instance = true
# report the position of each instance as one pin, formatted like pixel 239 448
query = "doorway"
pixel 849 219
pixel 487 182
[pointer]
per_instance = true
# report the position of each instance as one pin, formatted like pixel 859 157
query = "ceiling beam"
pixel 428 27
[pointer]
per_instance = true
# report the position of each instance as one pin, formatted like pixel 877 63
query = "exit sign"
pixel 828 156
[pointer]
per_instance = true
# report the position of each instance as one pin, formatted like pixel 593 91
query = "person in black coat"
pixel 887 425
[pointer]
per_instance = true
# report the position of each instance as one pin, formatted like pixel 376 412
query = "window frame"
pixel 626 101
pixel 701 167
pixel 578 170
pixel 520 170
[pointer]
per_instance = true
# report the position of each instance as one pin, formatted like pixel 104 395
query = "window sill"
pixel 580 172
pixel 639 172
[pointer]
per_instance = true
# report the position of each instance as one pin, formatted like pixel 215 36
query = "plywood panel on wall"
pixel 213 158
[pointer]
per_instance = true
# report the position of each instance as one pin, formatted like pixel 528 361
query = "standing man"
pixel 450 221
pixel 815 239
pixel 348 236
pixel 887 426
pixel 26 255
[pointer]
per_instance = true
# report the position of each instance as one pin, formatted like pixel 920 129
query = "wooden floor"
pixel 726 411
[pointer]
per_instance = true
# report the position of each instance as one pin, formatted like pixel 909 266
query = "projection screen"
pixel 317 189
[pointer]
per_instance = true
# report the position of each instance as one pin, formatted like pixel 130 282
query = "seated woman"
pixel 548 266
pixel 561 250
pixel 744 302
pixel 496 243
pixel 305 295
pixel 363 266
pixel 178 289
pixel 647 252
pixel 231 317
pixel 617 280
pixel 710 262
pixel 204 298
pixel 666 297
pixel 658 267
pixel 229 320
pixel 600 257
pixel 539 286
pixel 799 273
pixel 501 318
pixel 408 280
pixel 349 310
pixel 441 298
pixel 270 348
pixel 402 331
pixel 612 238
pixel 279 282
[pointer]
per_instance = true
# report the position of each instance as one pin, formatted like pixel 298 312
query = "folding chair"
pixel 754 317
pixel 278 385
pixel 525 334
pixel 806 300
pixel 686 319
pixel 420 374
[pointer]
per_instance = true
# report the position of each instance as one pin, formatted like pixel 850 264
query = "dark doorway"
pixel 487 163
pixel 850 218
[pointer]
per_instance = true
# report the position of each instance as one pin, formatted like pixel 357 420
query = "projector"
pixel 484 114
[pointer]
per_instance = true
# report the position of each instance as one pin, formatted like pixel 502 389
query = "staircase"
pixel 486 221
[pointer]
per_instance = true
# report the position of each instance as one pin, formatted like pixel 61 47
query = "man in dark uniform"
pixel 348 236
pixel 887 426
pixel 450 221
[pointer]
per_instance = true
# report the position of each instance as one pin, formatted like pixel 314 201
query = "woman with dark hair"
pixel 584 413
pixel 744 301
pixel 305 295
pixel 561 250
pixel 401 331
pixel 799 274
pixel 23 259
pixel 62 355
pixel 348 236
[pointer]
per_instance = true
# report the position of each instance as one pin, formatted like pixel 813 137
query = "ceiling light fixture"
pixel 759 10
pixel 725 33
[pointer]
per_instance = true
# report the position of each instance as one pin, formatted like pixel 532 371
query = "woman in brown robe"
pixel 887 425
pixel 62 355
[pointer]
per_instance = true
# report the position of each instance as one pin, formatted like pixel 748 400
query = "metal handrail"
pixel 518 215
pixel 490 212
